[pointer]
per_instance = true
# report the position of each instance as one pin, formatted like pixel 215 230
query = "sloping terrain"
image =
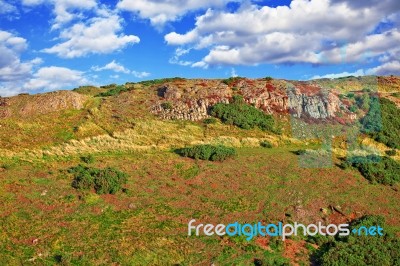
pixel 136 127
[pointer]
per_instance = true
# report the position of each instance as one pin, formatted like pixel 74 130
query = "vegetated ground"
pixel 45 221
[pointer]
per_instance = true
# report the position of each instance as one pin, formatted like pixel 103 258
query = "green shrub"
pixel 300 152
pixel 103 181
pixel 266 144
pixel 231 81
pixel 6 166
pixel 363 102
pixel 167 106
pixel 383 124
pixel 208 152
pixel 391 152
pixel 372 122
pixel 114 91
pixel 209 121
pixel 240 114
pixel 345 165
pixel 353 108
pixel 382 170
pixel 160 81
pixel 88 159
pixel 354 250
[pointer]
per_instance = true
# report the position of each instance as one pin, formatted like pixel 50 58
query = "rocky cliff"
pixel 25 105
pixel 193 99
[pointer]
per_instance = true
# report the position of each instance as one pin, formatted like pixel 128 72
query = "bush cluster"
pixel 88 159
pixel 103 181
pixel 363 101
pixel 354 250
pixel 382 123
pixel 391 152
pixel 371 123
pixel 266 144
pixel 167 106
pixel 208 152
pixel 231 81
pixel 160 81
pixel 382 170
pixel 114 91
pixel 300 152
pixel 240 114
pixel 209 121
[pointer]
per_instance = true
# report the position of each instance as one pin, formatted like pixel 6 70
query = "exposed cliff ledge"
pixel 26 105
pixel 192 100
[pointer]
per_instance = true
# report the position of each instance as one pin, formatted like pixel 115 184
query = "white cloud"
pixel 307 31
pixel 180 39
pixel 64 10
pixel 13 71
pixel 388 68
pixel 376 45
pixel 32 2
pixel 176 59
pixel 7 8
pixel 99 35
pixel 55 78
pixel 85 28
pixel 140 75
pixel 161 11
pixel 11 67
pixel 114 66
pixel 358 73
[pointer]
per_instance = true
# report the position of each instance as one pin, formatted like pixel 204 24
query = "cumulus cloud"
pixel 385 69
pixel 388 68
pixel 176 59
pixel 315 31
pixel 140 75
pixel 98 35
pixel 161 11
pixel 116 67
pixel 6 8
pixel 11 67
pixel 357 73
pixel 64 10
pixel 55 78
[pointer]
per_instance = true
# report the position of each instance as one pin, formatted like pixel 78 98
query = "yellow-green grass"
pixel 43 220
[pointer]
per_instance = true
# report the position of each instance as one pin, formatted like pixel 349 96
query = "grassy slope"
pixel 43 220
pixel 42 214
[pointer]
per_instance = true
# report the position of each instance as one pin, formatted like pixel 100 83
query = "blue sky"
pixel 48 45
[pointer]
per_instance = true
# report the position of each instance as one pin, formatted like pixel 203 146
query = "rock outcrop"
pixel 193 100
pixel 190 103
pixel 28 105
pixel 322 105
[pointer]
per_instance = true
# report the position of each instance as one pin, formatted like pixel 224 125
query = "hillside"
pixel 134 131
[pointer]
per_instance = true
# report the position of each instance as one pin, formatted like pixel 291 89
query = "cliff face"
pixel 192 100
pixel 27 105
pixel 307 101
